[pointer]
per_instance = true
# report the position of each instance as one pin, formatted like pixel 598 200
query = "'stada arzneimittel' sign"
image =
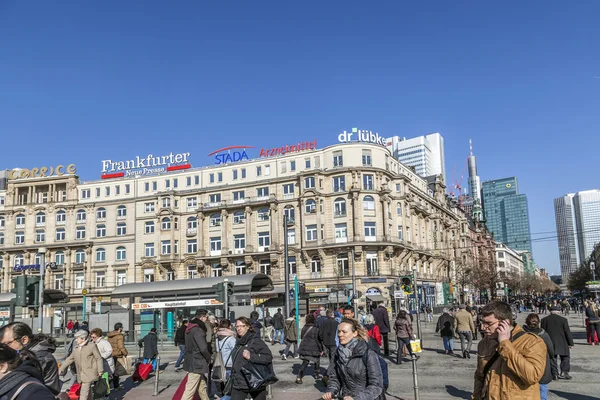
pixel 176 304
pixel 361 135
pixel 149 165
pixel 288 148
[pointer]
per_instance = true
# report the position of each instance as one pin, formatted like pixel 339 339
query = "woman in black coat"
pixel 248 350
pixel 354 371
pixel 311 348
pixel 22 378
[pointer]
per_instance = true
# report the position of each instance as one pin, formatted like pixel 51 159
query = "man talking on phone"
pixel 510 361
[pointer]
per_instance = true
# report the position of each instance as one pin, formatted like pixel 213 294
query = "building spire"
pixel 470 148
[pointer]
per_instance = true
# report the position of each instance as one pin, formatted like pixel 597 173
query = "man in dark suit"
pixel 558 329
pixel 382 320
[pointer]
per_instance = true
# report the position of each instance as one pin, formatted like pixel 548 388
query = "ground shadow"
pixel 456 392
pixel 309 373
pixel 573 396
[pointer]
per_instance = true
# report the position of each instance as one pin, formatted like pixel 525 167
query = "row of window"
pixel 80 233
pixel 61 217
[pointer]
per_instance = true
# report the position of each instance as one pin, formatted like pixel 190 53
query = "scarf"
pixel 345 351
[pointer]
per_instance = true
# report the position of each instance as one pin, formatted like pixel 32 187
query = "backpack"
pixel 219 369
pixel 384 373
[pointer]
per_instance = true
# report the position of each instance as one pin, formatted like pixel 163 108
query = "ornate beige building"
pixel 346 205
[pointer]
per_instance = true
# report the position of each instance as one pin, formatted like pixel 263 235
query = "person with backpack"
pixel 150 345
pixel 20 376
pixel 226 339
pixel 532 325
pixel 311 348
pixel 355 371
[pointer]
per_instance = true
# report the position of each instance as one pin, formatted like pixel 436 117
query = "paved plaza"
pixel 439 376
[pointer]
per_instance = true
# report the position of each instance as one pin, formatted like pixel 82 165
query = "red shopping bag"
pixel 74 391
pixel 181 389
pixel 141 372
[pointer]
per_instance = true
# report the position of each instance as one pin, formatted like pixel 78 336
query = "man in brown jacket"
pixel 115 338
pixel 510 362
pixel 464 328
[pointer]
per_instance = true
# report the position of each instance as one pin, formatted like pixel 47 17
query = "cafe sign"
pixel 59 170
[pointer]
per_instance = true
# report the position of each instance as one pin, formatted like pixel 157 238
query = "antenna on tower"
pixel 470 147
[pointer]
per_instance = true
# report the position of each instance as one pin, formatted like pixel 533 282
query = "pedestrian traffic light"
pixel 33 290
pixel 20 289
pixel 406 283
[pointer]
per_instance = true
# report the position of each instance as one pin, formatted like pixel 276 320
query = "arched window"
pixel 121 229
pixel 165 224
pixel 37 260
pixel 18 259
pixel 81 216
pixel 20 220
pixel 263 214
pixel 19 237
pixel 369 203
pixel 80 233
pixel 289 213
pixel 100 230
pixel 61 217
pixel 40 219
pixel 192 223
pixel 121 253
pixel 339 207
pixel 1 238
pixel 121 211
pixel 40 235
pixel 310 206
pixel 215 219
pixel 315 264
pixel 239 217
pixel 59 258
pixel 79 256
pixel 101 213
pixel 100 255
pixel 2 221
pixel 399 208
pixel 343 265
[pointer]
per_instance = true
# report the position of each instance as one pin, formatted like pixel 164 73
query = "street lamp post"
pixel 42 253
pixel 354 298
pixel 286 268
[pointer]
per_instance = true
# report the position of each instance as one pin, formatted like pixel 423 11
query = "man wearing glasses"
pixel 510 362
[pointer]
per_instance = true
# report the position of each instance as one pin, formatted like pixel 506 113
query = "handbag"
pixel 219 369
pixel 415 346
pixel 258 376
pixel 74 391
pixel 122 366
pixel 100 388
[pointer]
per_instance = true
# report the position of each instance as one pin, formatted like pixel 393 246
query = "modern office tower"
pixel 425 153
pixel 506 213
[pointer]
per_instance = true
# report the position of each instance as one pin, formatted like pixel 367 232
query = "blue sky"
pixel 86 81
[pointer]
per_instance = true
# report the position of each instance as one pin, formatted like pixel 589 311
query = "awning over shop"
pixel 242 284
pixel 376 297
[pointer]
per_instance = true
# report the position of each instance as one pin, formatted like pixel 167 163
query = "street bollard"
pixel 156 375
pixel 415 382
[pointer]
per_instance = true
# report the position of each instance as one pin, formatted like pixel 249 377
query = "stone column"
pixel 250 244
pixel 224 233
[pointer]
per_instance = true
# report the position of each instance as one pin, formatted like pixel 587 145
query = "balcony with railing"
pixel 61 222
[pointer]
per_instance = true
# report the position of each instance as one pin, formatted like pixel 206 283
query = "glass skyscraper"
pixel 506 213
pixel 578 228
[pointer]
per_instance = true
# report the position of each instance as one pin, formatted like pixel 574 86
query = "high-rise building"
pixel 424 153
pixel 578 228
pixel 506 213
pixel 474 186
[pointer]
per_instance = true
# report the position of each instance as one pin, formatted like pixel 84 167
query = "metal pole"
pixel 84 307
pixel 226 305
pixel 287 266
pixel 156 375
pixel 417 304
pixel 415 381
pixel 296 303
pixel 355 300
pixel 42 252
pixel 135 185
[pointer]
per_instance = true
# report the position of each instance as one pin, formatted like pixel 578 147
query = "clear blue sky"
pixel 82 81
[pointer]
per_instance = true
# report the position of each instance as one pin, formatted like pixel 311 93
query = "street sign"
pixel 499 292
pixel 399 294
pixel 84 292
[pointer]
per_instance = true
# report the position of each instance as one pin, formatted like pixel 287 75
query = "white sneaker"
pixel 284 357
pixel 297 356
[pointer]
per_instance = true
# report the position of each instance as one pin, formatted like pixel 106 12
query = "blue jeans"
pixel 278 333
pixel 448 343
pixel 544 391
pixel 181 354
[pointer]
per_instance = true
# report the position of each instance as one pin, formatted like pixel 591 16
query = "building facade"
pixel 348 207
pixel 424 153
pixel 506 213
pixel 509 261
pixel 578 228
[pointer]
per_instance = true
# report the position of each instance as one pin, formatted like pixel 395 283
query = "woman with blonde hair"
pixel 354 371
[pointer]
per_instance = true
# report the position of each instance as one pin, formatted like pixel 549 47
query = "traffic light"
pixel 229 288
pixel 406 283
pixel 20 290
pixel 220 290
pixel 33 290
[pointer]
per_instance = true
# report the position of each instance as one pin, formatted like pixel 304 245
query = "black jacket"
pixel 558 329
pixel 150 343
pixel 382 319
pixel 310 346
pixel 259 354
pixel 360 378
pixel 591 315
pixel 44 350
pixel 26 372
pixel 547 377
pixel 257 328
pixel 278 321
pixel 180 336
pixel 197 354
pixel 328 332
pixel 445 325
